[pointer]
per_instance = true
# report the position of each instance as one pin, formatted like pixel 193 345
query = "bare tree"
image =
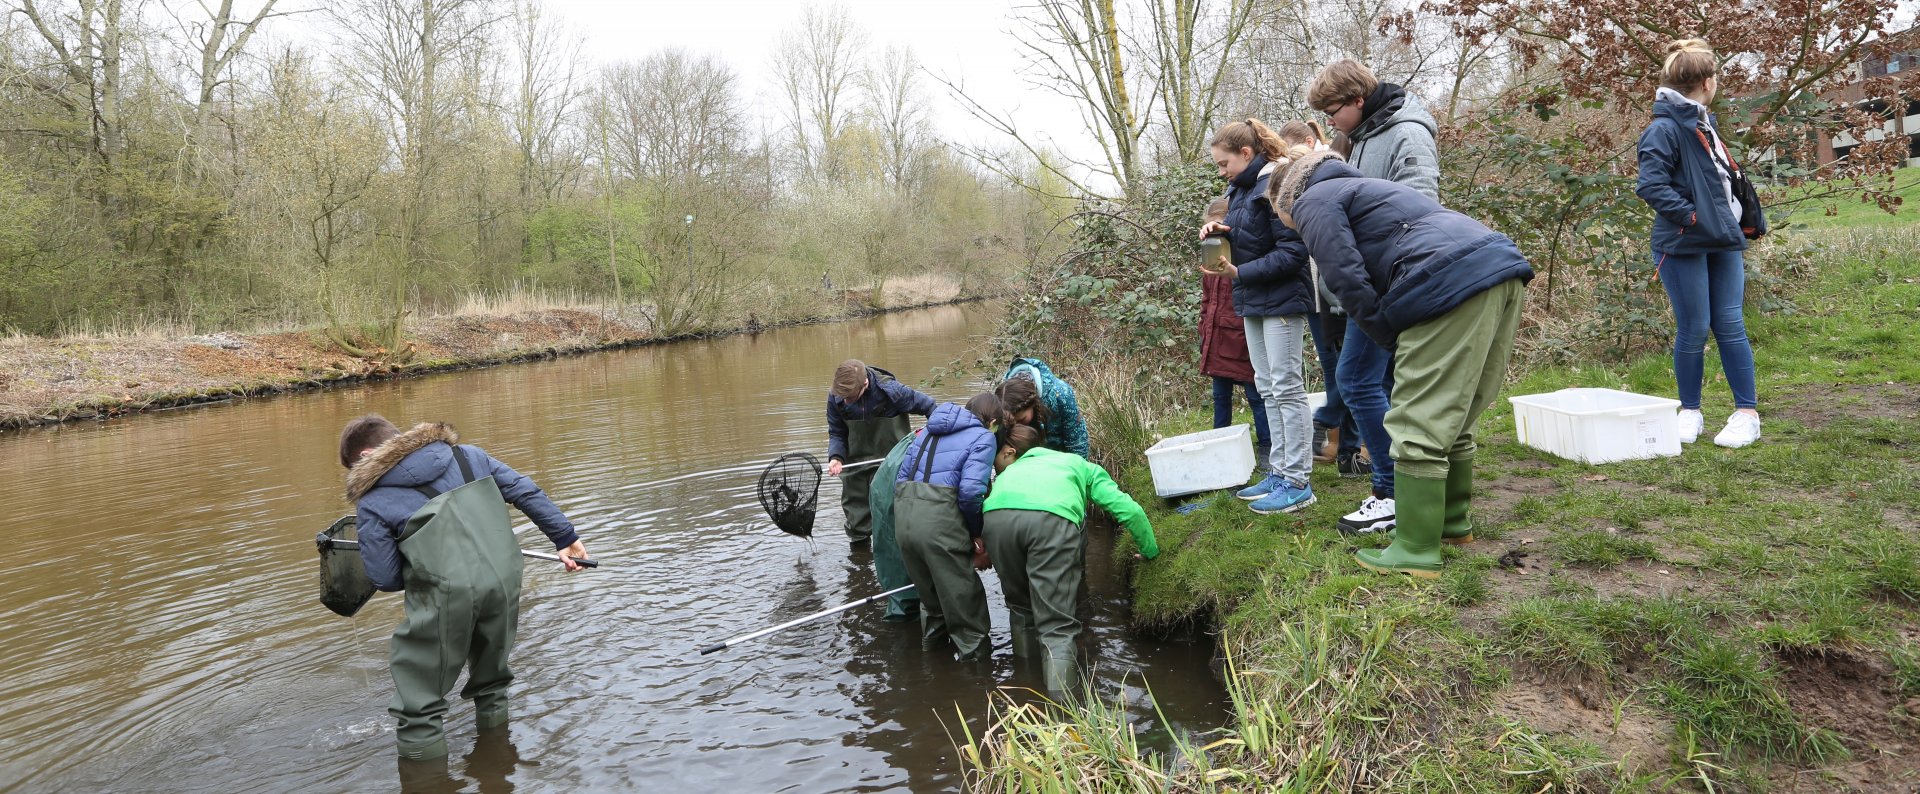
pixel 218 41
pixel 1286 48
pixel 1192 59
pixel 673 116
pixel 89 46
pixel 899 111
pixel 406 56
pixel 549 61
pixel 817 67
pixel 314 164
pixel 1164 70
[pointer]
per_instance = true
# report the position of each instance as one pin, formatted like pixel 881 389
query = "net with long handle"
pixel 790 492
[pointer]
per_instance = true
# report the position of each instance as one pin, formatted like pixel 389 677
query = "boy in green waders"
pixel 1032 532
pixel 866 415
pixel 431 515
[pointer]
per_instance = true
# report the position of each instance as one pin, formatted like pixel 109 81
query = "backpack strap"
pixel 925 463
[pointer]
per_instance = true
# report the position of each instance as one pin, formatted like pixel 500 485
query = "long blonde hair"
pixel 1690 63
pixel 1249 134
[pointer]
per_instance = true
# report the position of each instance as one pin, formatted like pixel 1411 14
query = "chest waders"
pixel 938 554
pixel 1041 558
pixel 867 439
pixel 463 608
pixel 888 567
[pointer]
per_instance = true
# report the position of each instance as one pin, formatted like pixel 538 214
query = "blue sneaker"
pixel 1289 498
pixel 1261 488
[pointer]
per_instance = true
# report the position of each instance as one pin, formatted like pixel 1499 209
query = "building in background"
pixel 1900 57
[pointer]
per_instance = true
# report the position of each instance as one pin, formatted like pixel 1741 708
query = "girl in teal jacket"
pixel 1044 402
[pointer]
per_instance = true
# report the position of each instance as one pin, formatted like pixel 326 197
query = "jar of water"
pixel 1213 249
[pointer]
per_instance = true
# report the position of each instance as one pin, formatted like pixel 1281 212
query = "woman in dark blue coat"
pixel 1686 176
pixel 1271 293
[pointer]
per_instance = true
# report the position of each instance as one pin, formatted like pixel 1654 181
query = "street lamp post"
pixel 689 245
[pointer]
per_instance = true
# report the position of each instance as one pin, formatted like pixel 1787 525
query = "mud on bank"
pixel 47 381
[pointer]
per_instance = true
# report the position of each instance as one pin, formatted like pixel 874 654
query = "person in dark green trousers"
pixel 1033 535
pixel 866 415
pixel 936 514
pixel 431 518
pixel 888 567
pixel 1444 293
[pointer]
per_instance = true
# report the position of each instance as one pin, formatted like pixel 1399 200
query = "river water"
pixel 162 630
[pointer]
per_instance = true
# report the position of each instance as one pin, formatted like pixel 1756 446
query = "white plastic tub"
pixel 1598 425
pixel 1205 461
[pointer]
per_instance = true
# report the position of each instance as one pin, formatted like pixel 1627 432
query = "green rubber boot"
pixel 1457 528
pixel 1420 505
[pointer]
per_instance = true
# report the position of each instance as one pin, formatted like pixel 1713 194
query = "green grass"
pixel 1850 213
pixel 1687 586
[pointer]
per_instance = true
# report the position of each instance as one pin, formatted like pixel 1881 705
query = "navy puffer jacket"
pixel 883 398
pixel 1394 257
pixel 1680 182
pixel 1273 278
pixel 962 459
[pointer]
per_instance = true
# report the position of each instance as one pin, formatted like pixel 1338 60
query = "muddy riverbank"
pixel 52 380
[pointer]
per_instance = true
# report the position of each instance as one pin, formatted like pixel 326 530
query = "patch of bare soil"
pixel 1815 408
pixel 1859 700
pixel 1637 737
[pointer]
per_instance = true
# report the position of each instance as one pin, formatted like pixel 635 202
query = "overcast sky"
pixel 966 41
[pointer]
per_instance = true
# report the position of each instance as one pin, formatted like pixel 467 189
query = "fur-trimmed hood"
pixel 1282 192
pixel 392 458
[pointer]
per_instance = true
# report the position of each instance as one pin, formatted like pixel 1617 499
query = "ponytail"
pixel 1249 134
pixel 1303 133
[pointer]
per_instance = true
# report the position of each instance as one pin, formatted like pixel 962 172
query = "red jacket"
pixel 1223 336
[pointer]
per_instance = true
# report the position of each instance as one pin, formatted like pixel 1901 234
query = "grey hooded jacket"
pixel 1396 143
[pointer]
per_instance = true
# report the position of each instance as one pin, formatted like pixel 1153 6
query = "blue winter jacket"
pixel 383 511
pixel 1065 431
pixel 884 397
pixel 1273 278
pixel 1394 257
pixel 1679 181
pixel 963 459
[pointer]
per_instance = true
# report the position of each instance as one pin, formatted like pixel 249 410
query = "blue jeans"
pixel 1223 406
pixel 1329 335
pixel 1707 291
pixel 1366 380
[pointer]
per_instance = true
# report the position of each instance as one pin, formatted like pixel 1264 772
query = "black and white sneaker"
pixel 1353 465
pixel 1375 515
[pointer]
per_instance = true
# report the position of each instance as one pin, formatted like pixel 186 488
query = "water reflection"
pixel 162 630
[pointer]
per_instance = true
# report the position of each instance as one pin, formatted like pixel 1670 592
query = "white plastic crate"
pixel 1598 425
pixel 1205 461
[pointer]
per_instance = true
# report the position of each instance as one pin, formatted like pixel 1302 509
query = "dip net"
pixel 789 492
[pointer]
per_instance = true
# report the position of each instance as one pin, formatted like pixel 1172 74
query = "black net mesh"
pixel 344 586
pixel 790 490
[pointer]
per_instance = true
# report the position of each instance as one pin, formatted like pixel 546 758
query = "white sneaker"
pixel 1691 423
pixel 1374 515
pixel 1742 429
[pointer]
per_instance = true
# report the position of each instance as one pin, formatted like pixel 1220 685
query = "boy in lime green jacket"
pixel 1031 526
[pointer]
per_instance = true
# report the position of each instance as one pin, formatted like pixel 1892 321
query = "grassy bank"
pixel 47 380
pixel 1725 620
pixel 1854 214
